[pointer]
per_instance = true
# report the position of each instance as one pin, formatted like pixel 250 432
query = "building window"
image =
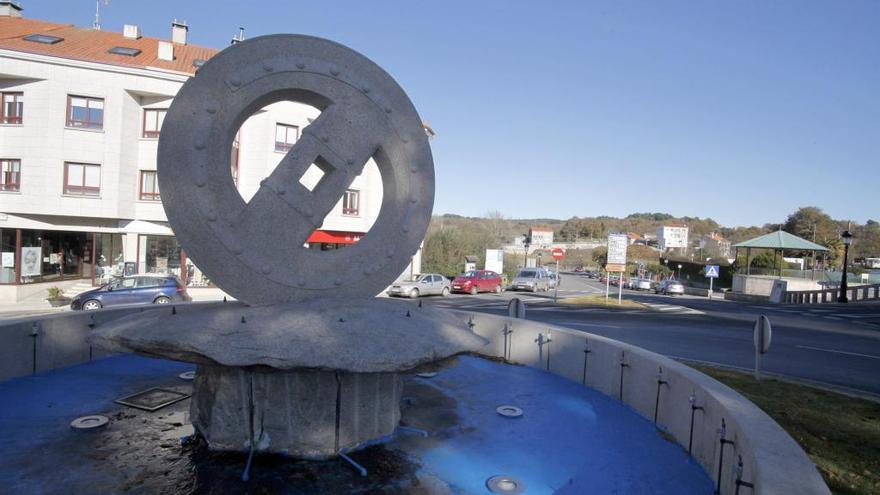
pixel 149 186
pixel 10 175
pixel 351 202
pixel 285 136
pixel 82 179
pixel 85 112
pixel 153 118
pixel 12 109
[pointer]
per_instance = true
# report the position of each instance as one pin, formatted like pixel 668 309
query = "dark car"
pixel 477 281
pixel 140 289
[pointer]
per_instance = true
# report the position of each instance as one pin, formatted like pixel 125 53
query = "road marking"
pixel 837 352
pixel 582 324
pixel 832 318
pixel 856 316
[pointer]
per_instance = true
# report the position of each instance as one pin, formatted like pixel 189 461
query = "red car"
pixel 477 281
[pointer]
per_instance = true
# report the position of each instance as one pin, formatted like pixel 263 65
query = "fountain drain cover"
pixel 509 411
pixel 505 484
pixel 89 422
pixel 187 375
pixel 152 399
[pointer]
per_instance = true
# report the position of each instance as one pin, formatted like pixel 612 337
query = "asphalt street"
pixel 837 345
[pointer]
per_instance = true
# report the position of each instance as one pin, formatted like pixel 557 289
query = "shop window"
pixel 285 136
pixel 10 175
pixel 149 185
pixel 7 256
pixel 153 118
pixel 82 179
pixel 48 255
pixel 84 112
pixel 12 110
pixel 159 255
pixel 351 202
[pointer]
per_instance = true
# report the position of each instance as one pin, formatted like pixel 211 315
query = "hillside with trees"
pixel 452 237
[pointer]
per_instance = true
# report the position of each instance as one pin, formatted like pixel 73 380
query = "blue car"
pixel 143 289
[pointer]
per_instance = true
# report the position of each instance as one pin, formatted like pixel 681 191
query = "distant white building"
pixel 715 243
pixel 541 236
pixel 674 236
pixel 79 126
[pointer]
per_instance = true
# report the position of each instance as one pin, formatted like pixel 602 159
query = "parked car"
pixel 641 284
pixel 425 285
pixel 531 279
pixel 669 286
pixel 476 281
pixel 143 289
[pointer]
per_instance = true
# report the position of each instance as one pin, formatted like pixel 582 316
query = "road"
pixel 834 344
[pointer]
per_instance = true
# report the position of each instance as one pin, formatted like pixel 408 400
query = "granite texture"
pixel 363 336
pixel 305 414
pixel 253 250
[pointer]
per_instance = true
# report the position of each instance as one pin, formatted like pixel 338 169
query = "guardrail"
pixel 830 295
pixel 734 441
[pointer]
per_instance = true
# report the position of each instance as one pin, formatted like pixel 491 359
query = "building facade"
pixel 541 237
pixel 715 244
pixel 79 128
pixel 672 237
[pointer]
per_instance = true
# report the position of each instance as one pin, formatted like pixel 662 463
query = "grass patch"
pixel 840 434
pixel 599 300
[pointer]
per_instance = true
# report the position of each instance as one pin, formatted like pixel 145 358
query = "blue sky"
pixel 740 111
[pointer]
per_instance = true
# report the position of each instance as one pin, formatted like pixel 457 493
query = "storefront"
pixel 29 256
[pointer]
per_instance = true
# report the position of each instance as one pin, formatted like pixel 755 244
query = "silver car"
pixel 669 286
pixel 425 285
pixel 531 279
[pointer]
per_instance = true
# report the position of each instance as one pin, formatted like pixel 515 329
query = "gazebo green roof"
pixel 781 240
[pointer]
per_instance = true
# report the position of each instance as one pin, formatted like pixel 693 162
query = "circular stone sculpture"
pixel 254 250
pixel 309 365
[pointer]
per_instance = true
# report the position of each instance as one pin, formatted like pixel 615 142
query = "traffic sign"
pixel 557 253
pixel 711 271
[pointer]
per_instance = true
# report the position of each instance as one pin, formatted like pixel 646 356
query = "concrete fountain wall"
pixel 772 460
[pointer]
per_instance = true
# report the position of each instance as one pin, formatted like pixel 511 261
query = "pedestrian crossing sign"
pixel 711 271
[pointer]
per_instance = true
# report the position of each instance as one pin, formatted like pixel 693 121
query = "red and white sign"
pixel 557 253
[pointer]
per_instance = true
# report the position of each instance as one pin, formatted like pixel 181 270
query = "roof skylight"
pixel 124 50
pixel 47 39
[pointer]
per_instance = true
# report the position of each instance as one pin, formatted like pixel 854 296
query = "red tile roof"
pixel 91 46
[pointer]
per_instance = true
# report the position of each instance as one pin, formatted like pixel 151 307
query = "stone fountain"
pixel 309 365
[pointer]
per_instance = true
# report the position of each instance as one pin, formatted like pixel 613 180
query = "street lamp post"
pixel 679 271
pixel 526 244
pixel 847 240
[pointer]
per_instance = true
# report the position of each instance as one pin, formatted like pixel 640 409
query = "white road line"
pixel 582 324
pixel 837 352
pixel 857 316
pixel 832 318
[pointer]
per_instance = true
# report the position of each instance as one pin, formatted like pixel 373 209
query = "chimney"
pixel 239 38
pixel 131 32
pixel 166 51
pixel 9 8
pixel 178 32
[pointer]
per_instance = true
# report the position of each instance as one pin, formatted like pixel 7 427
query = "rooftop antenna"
pixel 97 24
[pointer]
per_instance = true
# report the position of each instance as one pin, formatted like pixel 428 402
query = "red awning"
pixel 335 237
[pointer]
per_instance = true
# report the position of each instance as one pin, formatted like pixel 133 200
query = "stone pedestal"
pixel 305 414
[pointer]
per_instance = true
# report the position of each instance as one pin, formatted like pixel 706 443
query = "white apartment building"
pixel 672 237
pixel 79 127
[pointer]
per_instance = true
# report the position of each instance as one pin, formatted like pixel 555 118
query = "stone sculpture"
pixel 309 365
